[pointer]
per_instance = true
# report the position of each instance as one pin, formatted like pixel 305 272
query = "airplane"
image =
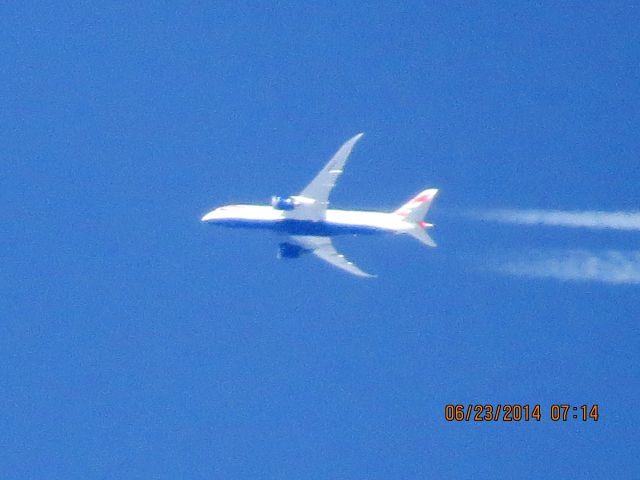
pixel 310 224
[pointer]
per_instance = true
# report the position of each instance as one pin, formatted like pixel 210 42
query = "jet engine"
pixel 290 250
pixel 283 203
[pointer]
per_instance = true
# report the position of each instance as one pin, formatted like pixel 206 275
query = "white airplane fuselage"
pixel 335 222
pixel 308 224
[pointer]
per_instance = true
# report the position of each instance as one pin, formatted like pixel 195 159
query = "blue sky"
pixel 136 342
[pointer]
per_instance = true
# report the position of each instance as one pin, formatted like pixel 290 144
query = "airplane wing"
pixel 320 187
pixel 322 248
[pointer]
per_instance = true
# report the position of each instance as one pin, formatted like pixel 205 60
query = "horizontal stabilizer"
pixel 422 236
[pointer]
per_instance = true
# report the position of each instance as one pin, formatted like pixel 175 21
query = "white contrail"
pixel 585 219
pixel 611 266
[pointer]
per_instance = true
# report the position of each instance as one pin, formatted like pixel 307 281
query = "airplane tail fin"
pixel 416 208
pixel 414 211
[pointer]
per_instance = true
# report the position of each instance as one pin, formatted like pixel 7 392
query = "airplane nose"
pixel 208 217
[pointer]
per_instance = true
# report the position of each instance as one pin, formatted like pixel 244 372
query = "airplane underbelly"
pixel 303 227
pixel 324 229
